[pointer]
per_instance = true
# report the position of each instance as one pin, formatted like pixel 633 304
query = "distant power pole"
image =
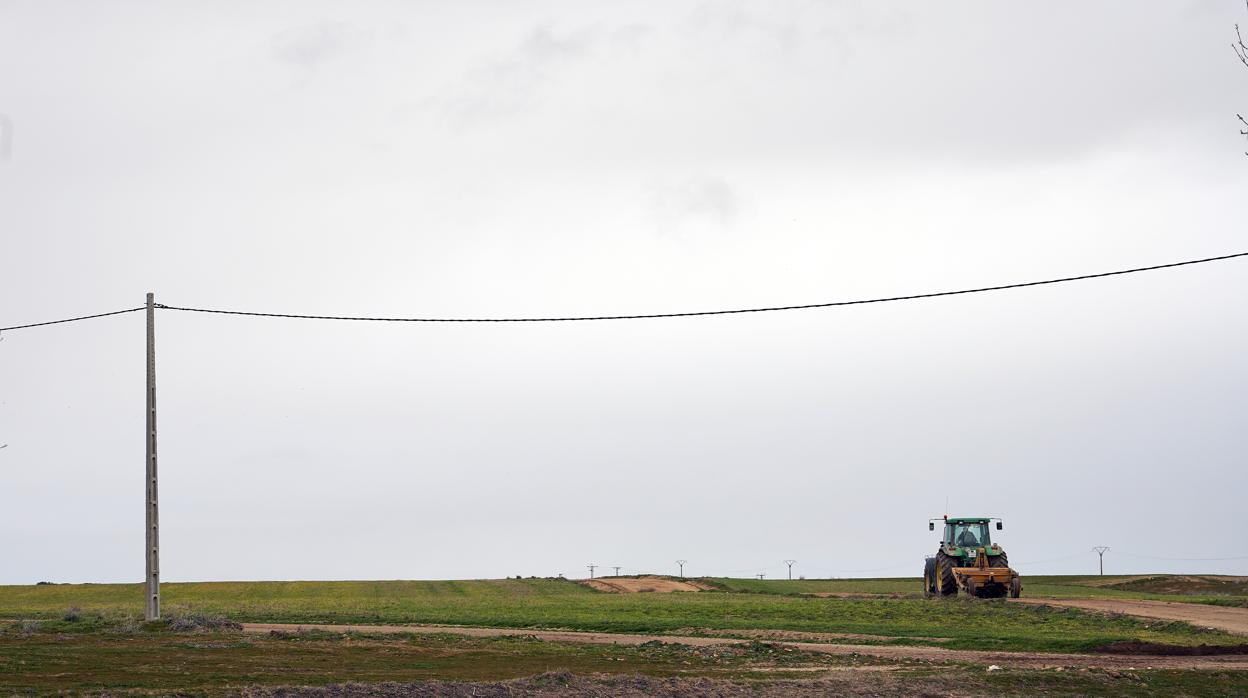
pixel 681 564
pixel 761 575
pixel 591 570
pixel 790 563
pixel 6 137
pixel 1100 550
pixel 152 583
pixel 617 569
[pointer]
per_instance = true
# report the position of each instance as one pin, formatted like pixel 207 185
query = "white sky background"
pixel 468 159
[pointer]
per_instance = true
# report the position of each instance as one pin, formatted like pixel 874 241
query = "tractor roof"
pixel 967 519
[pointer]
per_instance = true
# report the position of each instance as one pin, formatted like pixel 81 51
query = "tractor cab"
pixel 967 533
pixel 965 536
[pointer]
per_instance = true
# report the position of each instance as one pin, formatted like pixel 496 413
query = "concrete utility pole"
pixel 6 137
pixel 617 570
pixel 152 584
pixel 1100 550
pixel 591 570
pixel 790 563
pixel 761 575
pixel 681 564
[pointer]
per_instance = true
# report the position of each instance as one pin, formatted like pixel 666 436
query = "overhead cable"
pixel 1182 559
pixel 71 319
pixel 710 312
pixel 646 316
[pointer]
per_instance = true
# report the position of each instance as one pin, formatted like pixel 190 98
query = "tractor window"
pixel 970 535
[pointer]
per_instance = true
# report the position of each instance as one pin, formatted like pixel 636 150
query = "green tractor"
pixel 968 560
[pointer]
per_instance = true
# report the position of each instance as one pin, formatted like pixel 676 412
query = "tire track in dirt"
pixel 1021 660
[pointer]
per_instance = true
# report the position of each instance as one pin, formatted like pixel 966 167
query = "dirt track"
pixel 1232 620
pixel 636 585
pixel 1028 660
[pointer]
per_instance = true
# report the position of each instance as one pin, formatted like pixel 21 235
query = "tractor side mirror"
pixel 998 525
pixel 931 525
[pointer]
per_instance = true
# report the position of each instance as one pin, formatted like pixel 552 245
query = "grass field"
pixel 552 603
pixel 88 656
pixel 1158 588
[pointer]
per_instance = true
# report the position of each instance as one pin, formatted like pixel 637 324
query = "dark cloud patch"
pixel 702 200
pixel 312 46
pixel 513 82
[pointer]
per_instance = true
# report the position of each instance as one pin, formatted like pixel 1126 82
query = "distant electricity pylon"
pixel 617 569
pixel 1100 551
pixel 6 137
pixel 591 570
pixel 790 563
pixel 681 564
pixel 761 575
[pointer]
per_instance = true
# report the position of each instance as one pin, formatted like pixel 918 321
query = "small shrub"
pixel 72 615
pixel 199 621
pixel 129 626
pixel 28 628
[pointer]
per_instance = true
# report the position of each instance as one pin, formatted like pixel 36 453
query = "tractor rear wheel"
pixel 1001 560
pixel 929 577
pixel 1016 588
pixel 945 582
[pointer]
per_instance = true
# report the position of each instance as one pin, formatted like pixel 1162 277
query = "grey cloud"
pixel 801 152
pixel 707 199
pixel 511 83
pixel 310 47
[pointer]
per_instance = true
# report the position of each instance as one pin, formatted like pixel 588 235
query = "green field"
pixel 556 603
pixel 92 657
pixel 1157 587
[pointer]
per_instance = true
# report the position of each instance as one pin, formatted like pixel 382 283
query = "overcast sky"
pixel 548 158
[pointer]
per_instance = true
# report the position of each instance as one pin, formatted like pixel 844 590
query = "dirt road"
pixel 1232 620
pixel 642 585
pixel 1028 660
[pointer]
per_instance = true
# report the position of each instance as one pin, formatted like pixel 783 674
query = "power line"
pixel 737 311
pixel 1183 559
pixel 1056 559
pixel 715 312
pixel 72 319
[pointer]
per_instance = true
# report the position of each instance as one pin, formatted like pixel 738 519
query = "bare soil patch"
pixel 1154 649
pixel 1022 660
pixel 799 636
pixel 560 684
pixel 1230 619
pixel 644 585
